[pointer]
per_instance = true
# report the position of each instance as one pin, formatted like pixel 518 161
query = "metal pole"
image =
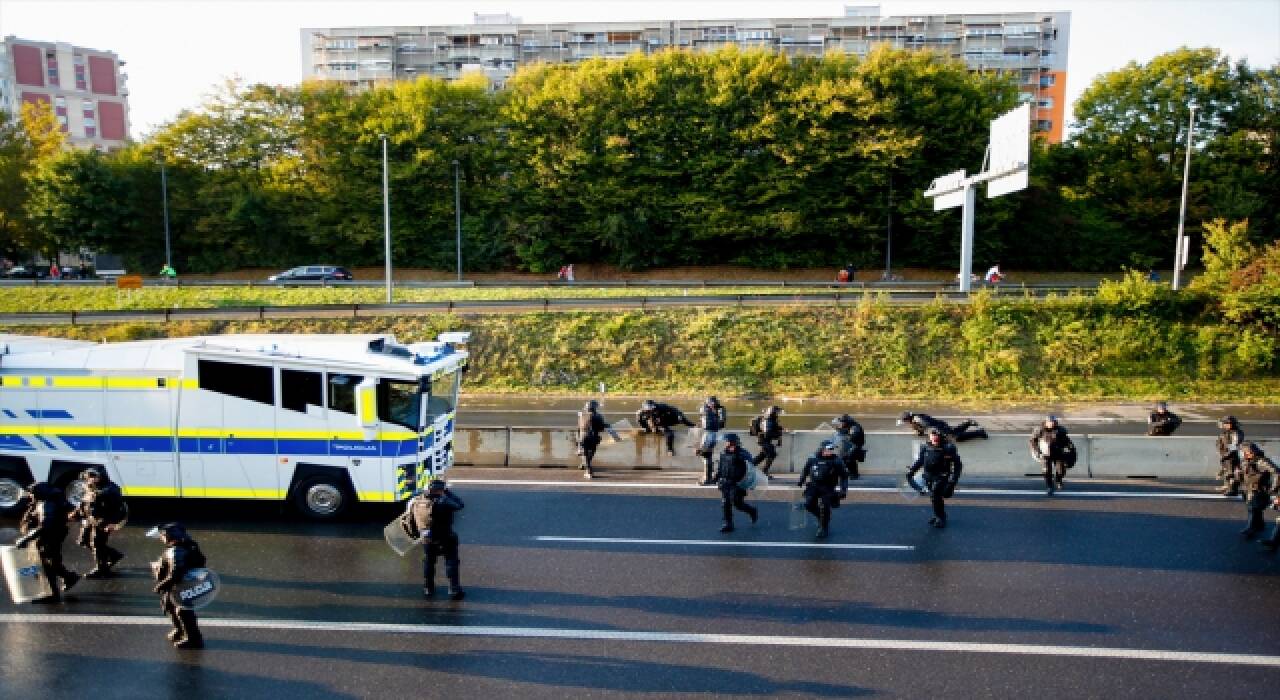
pixel 888 239
pixel 386 215
pixel 457 213
pixel 1178 258
pixel 164 201
pixel 966 236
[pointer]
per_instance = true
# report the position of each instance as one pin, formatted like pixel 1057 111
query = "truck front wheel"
pixel 321 498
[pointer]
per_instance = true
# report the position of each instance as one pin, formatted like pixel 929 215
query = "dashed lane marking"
pixel 771 641
pixel 724 543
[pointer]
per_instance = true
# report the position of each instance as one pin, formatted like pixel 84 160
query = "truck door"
pixel 354 427
pixel 139 417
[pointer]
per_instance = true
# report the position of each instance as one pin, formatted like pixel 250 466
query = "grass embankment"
pixel 1063 349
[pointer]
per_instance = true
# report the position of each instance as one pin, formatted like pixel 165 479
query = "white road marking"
pixel 925 645
pixel 724 543
pixel 962 491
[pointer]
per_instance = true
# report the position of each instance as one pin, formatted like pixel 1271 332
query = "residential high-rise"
pixel 1030 45
pixel 85 87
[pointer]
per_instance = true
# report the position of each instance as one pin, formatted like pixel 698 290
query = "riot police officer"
pixel 430 515
pixel 712 419
pixel 45 523
pixel 1051 446
pixel 731 470
pixel 941 463
pixel 181 555
pixel 768 430
pixel 658 417
pixel 825 482
pixel 1258 481
pixel 1230 438
pixel 1162 421
pixel 590 425
pixel 850 441
pixel 100 514
pixel 1263 463
pixel 922 423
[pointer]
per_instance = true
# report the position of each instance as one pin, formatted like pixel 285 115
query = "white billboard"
pixel 1010 151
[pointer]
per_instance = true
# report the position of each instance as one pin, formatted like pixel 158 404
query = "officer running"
pixel 45 523
pixel 430 515
pixel 1261 462
pixel 1230 438
pixel 731 470
pixel 922 423
pixel 825 482
pixel 590 425
pixel 1051 446
pixel 850 441
pixel 1258 481
pixel 942 467
pixel 768 430
pixel 100 513
pixel 712 419
pixel 1162 421
pixel 181 555
pixel 658 417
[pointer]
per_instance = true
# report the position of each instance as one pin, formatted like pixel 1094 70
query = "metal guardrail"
pixel 480 306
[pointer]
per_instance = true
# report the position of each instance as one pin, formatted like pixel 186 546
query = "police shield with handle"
pixel 429 519
pixel 183 582
pixel 827 484
pixel 1053 449
pixel 24 573
pixel 941 464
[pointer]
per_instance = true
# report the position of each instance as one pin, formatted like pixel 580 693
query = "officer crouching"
pixel 941 463
pixel 828 483
pixel 430 516
pixel 181 556
pixel 731 470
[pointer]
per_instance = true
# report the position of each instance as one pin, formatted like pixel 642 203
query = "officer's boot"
pixel 175 634
pixel 752 512
pixel 191 637
pixel 428 578
pixel 706 472
pixel 1273 542
pixel 1048 481
pixel 455 580
pixel 824 520
pixel 853 468
pixel 727 511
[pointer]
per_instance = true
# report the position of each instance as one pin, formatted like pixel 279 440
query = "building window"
pixel 1044 125
pixel 51 60
pixel 1048 80
pixel 248 382
pixel 1045 103
pixel 90 132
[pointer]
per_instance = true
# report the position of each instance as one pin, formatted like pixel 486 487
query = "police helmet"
pixel 845 419
pixel 1162 406
pixel 1228 420
pixel 934 431
pixel 1252 448
pixel 732 439
pixel 93 472
pixel 1050 419
pixel 591 406
pixel 827 445
pixel 648 405
pixel 773 410
pixel 711 401
pixel 436 485
pixel 168 531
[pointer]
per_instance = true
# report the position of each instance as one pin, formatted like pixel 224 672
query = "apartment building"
pixel 1030 45
pixel 85 87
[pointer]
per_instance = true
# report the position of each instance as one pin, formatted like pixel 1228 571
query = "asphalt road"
pixel 603 588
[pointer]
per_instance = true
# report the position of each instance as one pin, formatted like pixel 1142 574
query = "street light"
pixel 164 203
pixel 457 213
pixel 386 214
pixel 1180 246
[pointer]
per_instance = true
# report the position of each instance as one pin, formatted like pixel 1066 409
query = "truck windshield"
pixel 444 395
pixel 399 403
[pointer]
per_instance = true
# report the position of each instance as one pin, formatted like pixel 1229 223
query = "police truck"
pixel 319 421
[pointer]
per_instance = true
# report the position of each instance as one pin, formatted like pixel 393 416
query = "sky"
pixel 177 51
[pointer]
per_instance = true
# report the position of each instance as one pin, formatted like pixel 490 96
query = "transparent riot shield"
pixel 907 491
pixel 398 538
pixel 761 482
pixel 799 516
pixel 702 440
pixel 197 589
pixel 623 430
pixel 24 573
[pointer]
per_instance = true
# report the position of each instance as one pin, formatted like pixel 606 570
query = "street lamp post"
pixel 164 203
pixel 386 215
pixel 1180 247
pixel 457 213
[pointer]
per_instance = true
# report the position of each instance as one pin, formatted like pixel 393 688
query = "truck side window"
pixel 249 382
pixel 299 389
pixel 342 392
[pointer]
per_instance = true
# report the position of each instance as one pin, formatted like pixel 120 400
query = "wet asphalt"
pixel 1012 568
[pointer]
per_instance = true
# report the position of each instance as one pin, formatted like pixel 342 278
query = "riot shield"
pixel 907 491
pixel 197 589
pixel 759 480
pixel 704 440
pixel 398 538
pixel 799 516
pixel 624 430
pixel 24 573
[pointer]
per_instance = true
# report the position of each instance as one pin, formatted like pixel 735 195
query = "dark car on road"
pixel 313 273
pixel 29 272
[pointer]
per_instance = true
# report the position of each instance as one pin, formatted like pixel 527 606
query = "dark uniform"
pixel 825 482
pixel 731 470
pixel 850 441
pixel 1258 481
pixel 1162 421
pixel 181 556
pixel 657 417
pixel 711 418
pixel 941 464
pixel 431 515
pixel 590 425
pixel 922 423
pixel 1055 451
pixel 1230 438
pixel 100 514
pixel 768 431
pixel 45 523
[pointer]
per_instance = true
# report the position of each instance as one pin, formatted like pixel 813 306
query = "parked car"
pixel 313 273
pixel 29 272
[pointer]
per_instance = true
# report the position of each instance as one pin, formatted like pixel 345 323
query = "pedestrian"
pixel 1230 438
pixel 45 524
pixel 1051 446
pixel 430 516
pixel 941 464
pixel 1162 421
pixel 168 272
pixel 100 513
pixel 825 482
pixel 181 555
pixel 590 425
pixel 847 274
pixel 568 272
pixel 850 441
pixel 658 417
pixel 921 423
pixel 712 419
pixel 734 464
pixel 994 275
pixel 768 431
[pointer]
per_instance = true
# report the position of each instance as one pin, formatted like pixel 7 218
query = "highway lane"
pixel 1007 599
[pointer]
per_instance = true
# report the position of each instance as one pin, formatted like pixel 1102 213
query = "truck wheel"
pixel 321 498
pixel 11 495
